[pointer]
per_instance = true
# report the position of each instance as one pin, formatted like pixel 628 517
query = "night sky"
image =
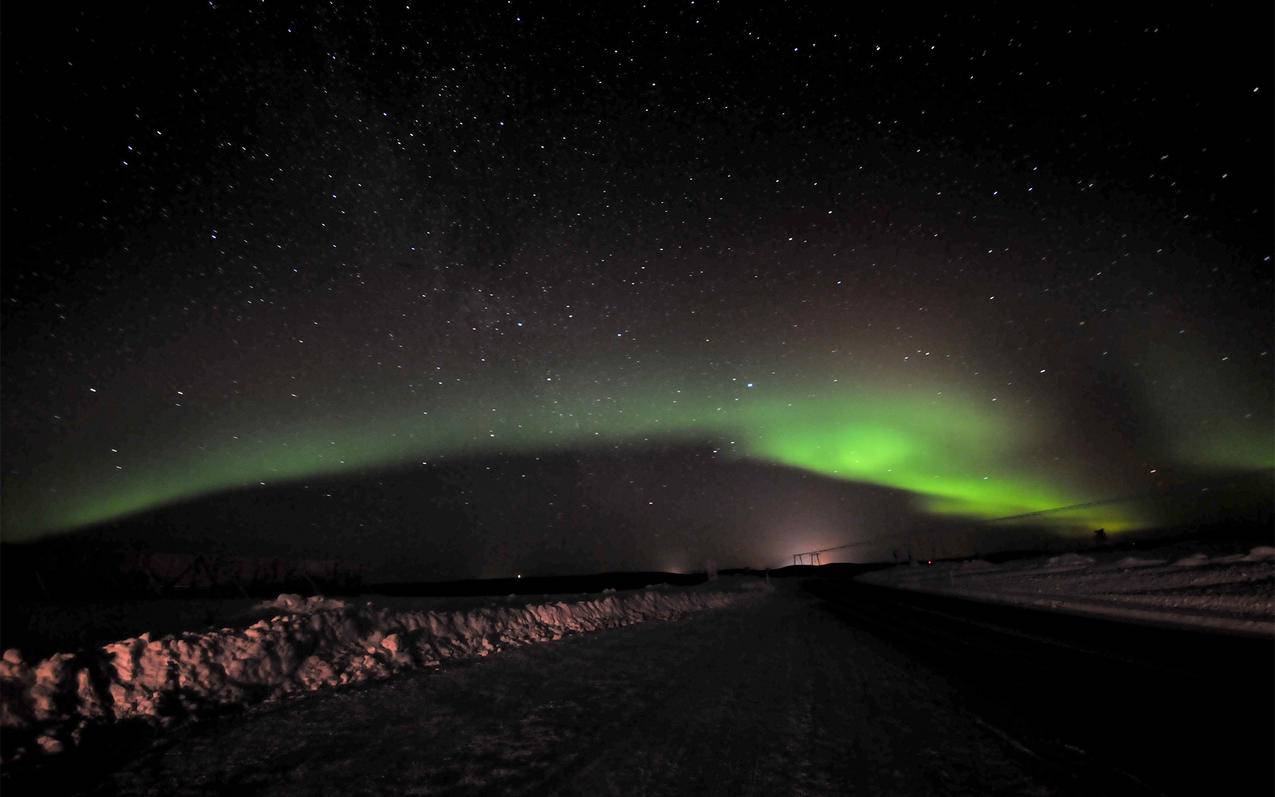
pixel 522 286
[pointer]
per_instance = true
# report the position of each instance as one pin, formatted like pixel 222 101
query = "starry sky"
pixel 667 281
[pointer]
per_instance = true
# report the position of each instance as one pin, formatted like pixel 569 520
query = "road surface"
pixel 1172 710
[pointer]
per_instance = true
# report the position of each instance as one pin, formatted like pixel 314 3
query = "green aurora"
pixel 958 455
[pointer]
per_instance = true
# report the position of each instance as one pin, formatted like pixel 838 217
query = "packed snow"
pixel 1229 592
pixel 305 645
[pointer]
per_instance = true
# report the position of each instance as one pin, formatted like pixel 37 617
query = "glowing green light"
pixel 951 452
pixel 959 456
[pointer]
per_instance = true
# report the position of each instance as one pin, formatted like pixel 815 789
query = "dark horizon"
pixel 466 519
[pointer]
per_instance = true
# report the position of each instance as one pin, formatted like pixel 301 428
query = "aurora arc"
pixel 958 456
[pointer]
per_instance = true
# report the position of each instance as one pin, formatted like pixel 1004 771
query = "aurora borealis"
pixel 249 247
pixel 936 449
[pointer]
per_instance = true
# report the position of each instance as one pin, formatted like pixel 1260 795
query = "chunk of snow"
pixel 296 604
pixel 1261 553
pixel 1134 561
pixel 1194 560
pixel 1069 560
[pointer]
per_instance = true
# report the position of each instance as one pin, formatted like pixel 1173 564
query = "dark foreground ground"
pixel 829 689
pixel 1160 709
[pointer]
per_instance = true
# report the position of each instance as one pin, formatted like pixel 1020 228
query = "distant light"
pixel 519 575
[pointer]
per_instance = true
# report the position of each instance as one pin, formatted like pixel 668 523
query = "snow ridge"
pixel 1234 593
pixel 311 644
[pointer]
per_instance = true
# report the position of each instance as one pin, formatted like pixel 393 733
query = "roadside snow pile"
pixel 1134 561
pixel 1261 553
pixel 311 644
pixel 1068 560
pixel 1194 560
pixel 296 604
pixel 1229 592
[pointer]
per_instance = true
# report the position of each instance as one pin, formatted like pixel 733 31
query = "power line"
pixel 1086 505
pixel 815 557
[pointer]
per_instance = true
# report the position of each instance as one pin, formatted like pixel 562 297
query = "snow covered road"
pixel 776 696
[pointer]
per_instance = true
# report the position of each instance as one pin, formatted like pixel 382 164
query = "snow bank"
pixel 1261 553
pixel 1232 592
pixel 1069 560
pixel 1135 561
pixel 1194 560
pixel 311 644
